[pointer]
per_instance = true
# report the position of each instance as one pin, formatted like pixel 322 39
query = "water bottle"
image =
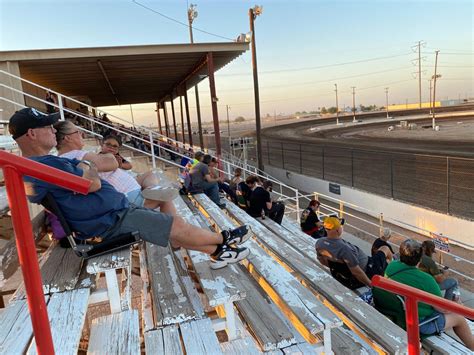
pixel 456 294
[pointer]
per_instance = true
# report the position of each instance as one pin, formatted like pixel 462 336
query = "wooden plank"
pixel 16 331
pixel 115 334
pixel 352 308
pixel 445 345
pixel 240 346
pixel 220 286
pixel 147 309
pixel 67 314
pixel 117 260
pixel 345 341
pixel 199 337
pixel 262 320
pixel 298 349
pixel 170 299
pixel 164 341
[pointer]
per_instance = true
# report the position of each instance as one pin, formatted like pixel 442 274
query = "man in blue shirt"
pixel 104 211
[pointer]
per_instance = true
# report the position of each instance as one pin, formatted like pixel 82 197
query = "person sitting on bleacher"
pixel 104 211
pixel 202 181
pixel 143 191
pixel 260 203
pixel 382 241
pixel 242 195
pixel 347 263
pixel 406 272
pixel 310 223
pixel 427 264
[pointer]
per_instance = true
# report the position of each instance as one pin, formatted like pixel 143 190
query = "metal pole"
pixel 386 96
pixel 28 260
pixel 174 121
pixel 434 91
pixel 228 127
pixel 131 112
pixel 215 115
pixel 353 104
pixel 61 108
pixel 413 333
pixel 158 117
pixel 198 110
pixel 182 118
pixel 252 17
pixel 167 128
pixel 188 118
pixel 337 107
pixel 152 148
pixel 431 104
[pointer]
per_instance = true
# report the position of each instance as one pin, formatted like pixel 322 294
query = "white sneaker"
pixel 228 255
pixel 160 193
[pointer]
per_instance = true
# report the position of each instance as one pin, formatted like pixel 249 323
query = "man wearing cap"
pixel 106 212
pixel 428 265
pixel 348 264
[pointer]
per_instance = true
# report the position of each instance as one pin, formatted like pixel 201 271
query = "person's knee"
pixel 386 250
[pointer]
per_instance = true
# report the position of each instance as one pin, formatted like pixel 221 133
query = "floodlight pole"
pixel 192 14
pixel 353 104
pixel 386 104
pixel 434 92
pixel 252 16
pixel 337 106
pixel 431 88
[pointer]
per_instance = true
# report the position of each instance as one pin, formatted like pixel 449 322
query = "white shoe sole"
pixel 223 263
pixel 160 194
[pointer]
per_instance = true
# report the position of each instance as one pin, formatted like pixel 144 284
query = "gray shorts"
pixel 154 226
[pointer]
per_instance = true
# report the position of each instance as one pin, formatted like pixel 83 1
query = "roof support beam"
pixel 188 117
pixel 182 118
pixel 215 115
pixel 158 106
pixel 101 67
pixel 174 120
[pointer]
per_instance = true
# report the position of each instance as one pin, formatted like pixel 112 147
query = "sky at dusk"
pixel 303 47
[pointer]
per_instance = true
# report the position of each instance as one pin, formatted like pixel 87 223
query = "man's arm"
pixel 360 275
pixel 209 178
pixel 89 172
pixel 104 162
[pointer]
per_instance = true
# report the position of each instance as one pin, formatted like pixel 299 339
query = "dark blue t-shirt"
pixel 88 215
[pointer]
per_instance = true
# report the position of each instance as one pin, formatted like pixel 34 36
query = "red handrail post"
pixel 413 333
pixel 28 260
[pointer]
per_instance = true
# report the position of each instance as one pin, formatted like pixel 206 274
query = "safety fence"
pixel 441 183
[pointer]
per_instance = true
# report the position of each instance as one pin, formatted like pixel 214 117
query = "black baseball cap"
pixel 27 118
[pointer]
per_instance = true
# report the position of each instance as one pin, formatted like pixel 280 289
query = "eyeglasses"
pixel 78 131
pixel 110 145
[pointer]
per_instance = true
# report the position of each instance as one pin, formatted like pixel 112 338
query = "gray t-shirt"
pixel 198 172
pixel 341 250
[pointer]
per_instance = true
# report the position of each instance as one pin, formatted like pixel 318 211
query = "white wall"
pixel 456 229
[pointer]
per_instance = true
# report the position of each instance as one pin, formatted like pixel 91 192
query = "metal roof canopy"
pixel 123 75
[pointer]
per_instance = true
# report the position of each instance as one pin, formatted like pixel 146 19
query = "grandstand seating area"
pixel 279 300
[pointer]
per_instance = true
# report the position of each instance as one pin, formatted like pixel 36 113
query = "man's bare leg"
pixel 165 206
pixel 148 179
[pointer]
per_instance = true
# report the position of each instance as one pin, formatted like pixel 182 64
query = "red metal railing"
pixel 14 168
pixel 412 297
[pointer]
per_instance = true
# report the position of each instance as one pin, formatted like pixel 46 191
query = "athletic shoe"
pixel 160 193
pixel 228 255
pixel 238 235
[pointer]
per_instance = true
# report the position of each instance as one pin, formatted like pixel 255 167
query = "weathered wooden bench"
pixel 297 302
pixel 352 310
pixel 439 344
pixel 270 332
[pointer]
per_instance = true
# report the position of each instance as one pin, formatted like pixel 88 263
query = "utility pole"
pixel 418 46
pixel 431 103
pixel 337 107
pixel 386 104
pixel 192 14
pixel 253 13
pixel 435 76
pixel 353 104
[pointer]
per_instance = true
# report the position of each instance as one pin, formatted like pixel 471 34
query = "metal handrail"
pixel 412 297
pixel 14 168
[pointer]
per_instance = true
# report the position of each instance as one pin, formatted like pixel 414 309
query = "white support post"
pixel 230 320
pixel 113 291
pixel 297 207
pixel 152 150
pixel 61 107
pixel 327 341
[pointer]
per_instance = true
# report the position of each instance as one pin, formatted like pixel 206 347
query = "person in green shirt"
pixel 406 272
pixel 428 265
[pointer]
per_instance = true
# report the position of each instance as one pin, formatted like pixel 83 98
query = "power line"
pixel 321 66
pixel 179 22
pixel 319 81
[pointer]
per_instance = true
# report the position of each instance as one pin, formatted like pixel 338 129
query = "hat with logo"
pixel 29 118
pixel 331 223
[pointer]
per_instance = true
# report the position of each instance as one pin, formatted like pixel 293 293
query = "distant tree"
pixel 332 110
pixel 239 119
pixel 323 110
